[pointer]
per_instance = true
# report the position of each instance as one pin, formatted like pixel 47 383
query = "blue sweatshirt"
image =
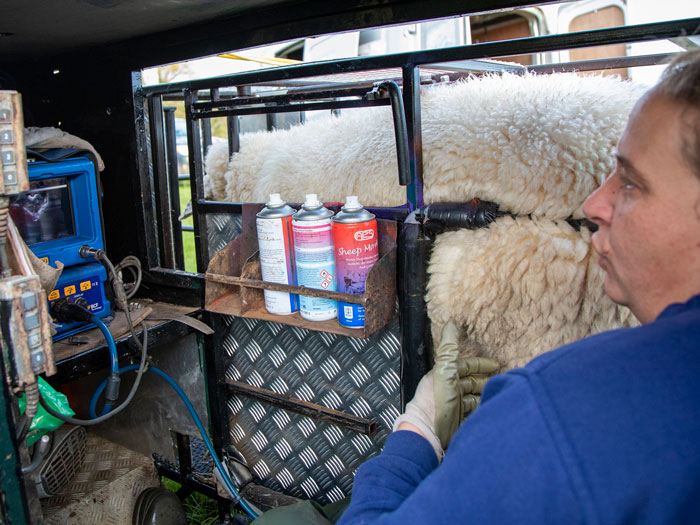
pixel 604 430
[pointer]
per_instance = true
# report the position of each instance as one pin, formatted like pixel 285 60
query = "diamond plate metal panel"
pixel 288 452
pixel 104 490
pixel 222 228
pixel 292 453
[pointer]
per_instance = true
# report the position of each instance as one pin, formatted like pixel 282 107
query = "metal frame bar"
pixel 291 108
pixel 408 62
pixel 312 410
pixel 196 183
pixel 13 497
pixel 520 46
pixel 161 182
pixel 174 183
pixel 415 350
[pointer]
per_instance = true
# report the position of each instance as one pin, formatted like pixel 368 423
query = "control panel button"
pixel 8 157
pixel 7 137
pixel 34 339
pixel 31 320
pixel 38 359
pixel 10 176
pixel 5 115
pixel 29 300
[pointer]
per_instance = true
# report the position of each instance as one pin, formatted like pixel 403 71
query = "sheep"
pixel 536 144
pixel 519 287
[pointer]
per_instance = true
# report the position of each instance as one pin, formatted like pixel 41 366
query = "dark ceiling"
pixel 151 32
pixel 56 26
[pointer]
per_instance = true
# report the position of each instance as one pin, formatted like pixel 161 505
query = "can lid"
pixel 275 200
pixel 352 203
pixel 312 201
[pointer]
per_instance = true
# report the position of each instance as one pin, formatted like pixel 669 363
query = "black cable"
pixel 22 427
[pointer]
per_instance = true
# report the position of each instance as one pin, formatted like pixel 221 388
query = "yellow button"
pixel 55 294
pixel 45 260
pixel 85 285
pixel 69 290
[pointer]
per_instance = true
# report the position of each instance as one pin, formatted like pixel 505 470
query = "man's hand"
pixel 446 394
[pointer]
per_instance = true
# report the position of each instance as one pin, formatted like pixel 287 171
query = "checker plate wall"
pixel 286 451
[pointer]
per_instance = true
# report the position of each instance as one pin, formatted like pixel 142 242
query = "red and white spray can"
pixel 356 248
pixel 274 228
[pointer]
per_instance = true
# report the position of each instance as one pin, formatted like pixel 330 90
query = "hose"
pixel 114 363
pixel 132 392
pixel 121 301
pixel 113 379
pixel 224 474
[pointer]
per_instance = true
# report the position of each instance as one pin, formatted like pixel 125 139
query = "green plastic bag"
pixel 44 422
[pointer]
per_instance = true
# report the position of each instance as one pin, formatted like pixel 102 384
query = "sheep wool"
pixel 536 144
pixel 519 288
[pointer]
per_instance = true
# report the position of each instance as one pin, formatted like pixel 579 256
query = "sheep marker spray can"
pixel 274 226
pixel 356 250
pixel 313 254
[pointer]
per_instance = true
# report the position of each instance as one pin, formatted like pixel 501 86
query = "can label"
pixel 313 253
pixel 277 262
pixel 356 251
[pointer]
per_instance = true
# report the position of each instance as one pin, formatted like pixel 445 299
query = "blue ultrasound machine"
pixel 59 214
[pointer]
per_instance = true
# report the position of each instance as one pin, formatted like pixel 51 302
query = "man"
pixel 604 430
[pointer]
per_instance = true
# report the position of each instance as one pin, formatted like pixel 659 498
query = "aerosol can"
pixel 356 246
pixel 313 254
pixel 274 226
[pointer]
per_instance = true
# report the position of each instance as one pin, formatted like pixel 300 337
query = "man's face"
pixel 648 213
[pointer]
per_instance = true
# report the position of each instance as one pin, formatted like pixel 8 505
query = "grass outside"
pixel 200 509
pixel 187 237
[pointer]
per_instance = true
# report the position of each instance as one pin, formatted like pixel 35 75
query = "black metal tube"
pixel 413 249
pixel 174 183
pixel 289 96
pixel 473 214
pixel 399 130
pixel 411 97
pixel 201 238
pixel 206 135
pixel 234 134
pixel 291 108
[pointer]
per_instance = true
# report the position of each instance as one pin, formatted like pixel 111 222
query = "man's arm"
pixel 502 466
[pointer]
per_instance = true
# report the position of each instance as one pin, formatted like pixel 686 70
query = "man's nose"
pixel 598 207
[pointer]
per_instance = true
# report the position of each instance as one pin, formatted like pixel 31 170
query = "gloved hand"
pixel 448 393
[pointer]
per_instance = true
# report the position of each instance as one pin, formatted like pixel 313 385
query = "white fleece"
pixel 536 144
pixel 518 288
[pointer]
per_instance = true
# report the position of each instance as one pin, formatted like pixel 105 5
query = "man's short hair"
pixel 680 82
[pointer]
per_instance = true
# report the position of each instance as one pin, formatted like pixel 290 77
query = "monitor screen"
pixel 45 212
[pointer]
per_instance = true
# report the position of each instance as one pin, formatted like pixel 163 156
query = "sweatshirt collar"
pixel 677 308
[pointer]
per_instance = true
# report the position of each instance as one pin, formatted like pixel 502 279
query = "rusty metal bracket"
pixel 312 410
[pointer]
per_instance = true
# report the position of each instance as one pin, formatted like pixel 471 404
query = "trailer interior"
pixel 284 408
